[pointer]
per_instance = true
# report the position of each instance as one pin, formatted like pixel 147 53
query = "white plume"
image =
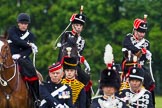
pixel 108 55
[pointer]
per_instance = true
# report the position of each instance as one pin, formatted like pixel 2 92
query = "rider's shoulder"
pixel 67 32
pixel 13 28
pixel 129 34
pixel 147 41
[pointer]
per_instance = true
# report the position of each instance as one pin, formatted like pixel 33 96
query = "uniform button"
pixel 56 87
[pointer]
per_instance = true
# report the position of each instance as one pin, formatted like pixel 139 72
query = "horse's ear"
pixel 5 34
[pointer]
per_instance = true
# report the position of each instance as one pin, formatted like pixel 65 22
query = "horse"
pixel 13 90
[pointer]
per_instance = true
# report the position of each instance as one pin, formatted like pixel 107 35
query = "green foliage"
pixel 108 21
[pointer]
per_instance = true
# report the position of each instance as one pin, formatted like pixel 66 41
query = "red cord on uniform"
pixel 143 50
pixel 82 59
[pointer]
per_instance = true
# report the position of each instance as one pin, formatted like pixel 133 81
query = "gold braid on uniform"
pixel 124 84
pixel 76 87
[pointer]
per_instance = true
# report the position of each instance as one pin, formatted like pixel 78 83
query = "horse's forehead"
pixel 1 44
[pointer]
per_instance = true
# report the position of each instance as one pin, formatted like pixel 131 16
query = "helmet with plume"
pixel 109 76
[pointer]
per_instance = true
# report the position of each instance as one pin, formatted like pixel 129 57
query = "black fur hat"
pixel 70 63
pixel 136 73
pixel 109 78
pixel 79 19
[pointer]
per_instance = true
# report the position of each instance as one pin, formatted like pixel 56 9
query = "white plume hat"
pixel 108 56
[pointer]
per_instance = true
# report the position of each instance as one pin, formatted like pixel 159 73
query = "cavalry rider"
pixel 78 91
pixel 21 42
pixel 73 38
pixel 135 43
pixel 54 94
pixel 136 96
pixel 109 84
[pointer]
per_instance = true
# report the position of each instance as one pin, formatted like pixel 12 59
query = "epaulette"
pixel 96 97
pixel 67 31
pixel 147 41
pixel 129 34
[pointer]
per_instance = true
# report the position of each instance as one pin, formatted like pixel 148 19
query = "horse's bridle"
pixel 4 58
pixel 4 66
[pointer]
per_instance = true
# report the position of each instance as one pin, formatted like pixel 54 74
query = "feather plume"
pixel 108 55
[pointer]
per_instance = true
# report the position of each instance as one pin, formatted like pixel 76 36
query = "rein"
pixel 5 82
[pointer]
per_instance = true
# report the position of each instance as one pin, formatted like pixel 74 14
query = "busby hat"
pixel 109 78
pixel 140 25
pixel 79 19
pixel 55 67
pixel 118 68
pixel 23 18
pixel 69 63
pixel 136 73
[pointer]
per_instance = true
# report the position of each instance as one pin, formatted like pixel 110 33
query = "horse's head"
pixel 130 61
pixel 4 54
pixel 70 50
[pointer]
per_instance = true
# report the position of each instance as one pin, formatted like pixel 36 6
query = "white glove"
pixel 59 45
pixel 34 48
pixel 60 106
pixel 87 66
pixel 16 56
pixel 148 55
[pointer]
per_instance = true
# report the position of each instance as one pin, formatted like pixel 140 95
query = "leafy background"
pixel 108 21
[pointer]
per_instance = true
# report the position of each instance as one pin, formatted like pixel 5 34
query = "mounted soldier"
pixel 21 42
pixel 73 41
pixel 135 44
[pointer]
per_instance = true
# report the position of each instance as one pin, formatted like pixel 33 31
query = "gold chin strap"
pixel 70 64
